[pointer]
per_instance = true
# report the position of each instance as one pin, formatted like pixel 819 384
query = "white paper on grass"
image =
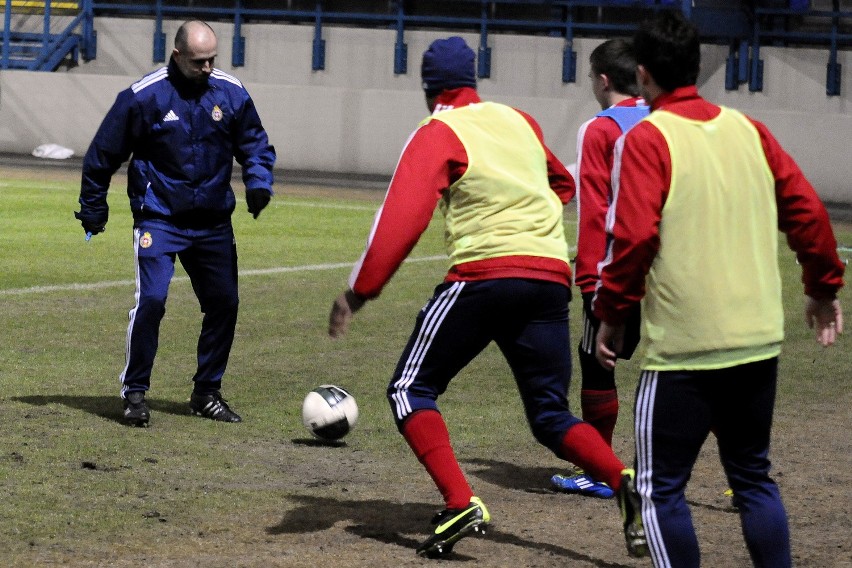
pixel 53 151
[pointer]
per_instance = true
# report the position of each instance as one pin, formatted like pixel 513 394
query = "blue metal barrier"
pixel 832 37
pixel 397 18
pixel 43 50
pixel 745 31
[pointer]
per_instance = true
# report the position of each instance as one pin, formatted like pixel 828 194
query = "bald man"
pixel 181 127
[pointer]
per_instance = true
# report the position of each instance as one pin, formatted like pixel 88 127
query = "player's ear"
pixel 642 75
pixel 431 102
pixel 605 82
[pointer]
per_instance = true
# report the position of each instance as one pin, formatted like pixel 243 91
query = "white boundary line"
pixel 253 272
pixel 242 273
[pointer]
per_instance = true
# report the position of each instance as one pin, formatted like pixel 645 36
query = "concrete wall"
pixel 355 116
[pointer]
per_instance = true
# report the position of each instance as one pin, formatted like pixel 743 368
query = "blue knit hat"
pixel 447 64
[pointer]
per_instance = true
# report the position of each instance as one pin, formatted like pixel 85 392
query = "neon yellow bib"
pixel 714 290
pixel 503 205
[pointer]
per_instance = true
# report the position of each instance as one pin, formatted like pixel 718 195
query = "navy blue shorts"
pixel 527 319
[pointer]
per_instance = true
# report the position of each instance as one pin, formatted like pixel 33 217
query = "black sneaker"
pixel 631 513
pixel 136 412
pixel 454 524
pixel 212 406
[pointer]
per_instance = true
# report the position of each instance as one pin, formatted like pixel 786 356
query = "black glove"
pixel 90 225
pixel 257 199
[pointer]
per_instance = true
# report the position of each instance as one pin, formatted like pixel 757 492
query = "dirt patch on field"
pixel 349 508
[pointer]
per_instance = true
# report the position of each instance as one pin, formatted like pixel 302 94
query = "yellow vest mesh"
pixel 714 290
pixel 503 205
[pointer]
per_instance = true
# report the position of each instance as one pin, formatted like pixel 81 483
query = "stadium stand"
pixel 743 25
pixel 339 79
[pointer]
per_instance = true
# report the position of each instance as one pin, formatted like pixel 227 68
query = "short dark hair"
pixel 615 59
pixel 667 46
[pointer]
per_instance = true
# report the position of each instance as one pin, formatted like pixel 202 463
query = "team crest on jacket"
pixel 217 113
pixel 146 240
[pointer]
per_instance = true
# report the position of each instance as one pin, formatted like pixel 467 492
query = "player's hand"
pixel 610 342
pixel 257 200
pixel 90 227
pixel 342 310
pixel 826 317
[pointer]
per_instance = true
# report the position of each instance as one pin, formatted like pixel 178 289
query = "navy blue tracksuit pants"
pixel 593 375
pixel 674 413
pixel 209 256
pixel 528 319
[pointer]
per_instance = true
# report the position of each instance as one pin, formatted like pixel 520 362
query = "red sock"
pixel 600 409
pixel 585 448
pixel 427 435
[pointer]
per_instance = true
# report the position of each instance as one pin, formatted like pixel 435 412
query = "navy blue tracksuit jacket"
pixel 181 139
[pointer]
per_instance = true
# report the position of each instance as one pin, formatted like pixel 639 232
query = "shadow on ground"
pixel 108 407
pixel 389 523
pixel 512 476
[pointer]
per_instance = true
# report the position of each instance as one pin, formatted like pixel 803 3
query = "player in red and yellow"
pixel 700 193
pixel 613 75
pixel 501 192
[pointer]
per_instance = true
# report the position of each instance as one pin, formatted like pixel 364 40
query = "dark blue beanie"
pixel 447 64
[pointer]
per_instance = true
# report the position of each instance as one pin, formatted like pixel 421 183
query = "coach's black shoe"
pixel 136 412
pixel 452 525
pixel 212 406
pixel 631 513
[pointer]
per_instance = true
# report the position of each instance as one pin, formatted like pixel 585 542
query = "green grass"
pixel 75 481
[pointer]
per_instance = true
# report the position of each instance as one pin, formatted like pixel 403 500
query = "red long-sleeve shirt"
pixel 595 141
pixel 643 172
pixel 432 160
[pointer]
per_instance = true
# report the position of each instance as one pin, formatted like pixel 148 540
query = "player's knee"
pixel 151 304
pixel 549 427
pixel 221 303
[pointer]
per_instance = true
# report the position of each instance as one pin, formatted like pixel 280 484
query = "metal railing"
pixel 744 28
pixel 43 49
pixel 829 31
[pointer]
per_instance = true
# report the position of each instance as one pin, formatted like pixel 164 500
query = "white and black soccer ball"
pixel 329 412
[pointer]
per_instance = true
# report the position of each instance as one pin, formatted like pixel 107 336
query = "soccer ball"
pixel 329 412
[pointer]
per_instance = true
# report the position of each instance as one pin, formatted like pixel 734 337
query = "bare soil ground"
pixel 347 508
